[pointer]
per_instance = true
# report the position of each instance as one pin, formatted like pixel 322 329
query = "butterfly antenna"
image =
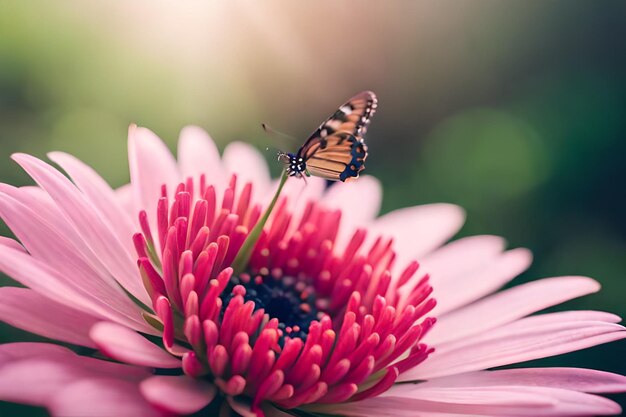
pixel 270 131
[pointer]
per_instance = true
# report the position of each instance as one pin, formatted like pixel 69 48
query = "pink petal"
pixel 396 408
pixel 249 165
pixel 461 257
pixel 70 280
pixel 466 288
pixel 411 407
pixel 182 395
pixel 127 346
pixel 417 400
pixel 36 371
pixel 364 192
pixel 151 166
pixel 38 193
pixel 100 194
pixel 576 379
pixel 35 381
pixel 507 306
pixel 11 244
pixel 33 218
pixel 549 319
pixel 34 223
pixel 27 310
pixel 26 351
pixel 579 403
pixel 104 368
pixel 197 155
pixel 501 400
pixel 102 397
pixel 502 396
pixel 10 352
pixel 521 341
pixel 89 225
pixel 359 202
pixel 418 230
pixel 534 322
pixel 38 206
pixel 124 195
pixel 85 296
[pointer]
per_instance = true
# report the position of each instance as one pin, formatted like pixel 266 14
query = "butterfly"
pixel 335 151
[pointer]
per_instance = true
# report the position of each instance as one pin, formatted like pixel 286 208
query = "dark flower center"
pixel 290 301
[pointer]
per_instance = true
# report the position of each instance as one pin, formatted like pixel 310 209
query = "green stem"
pixel 242 258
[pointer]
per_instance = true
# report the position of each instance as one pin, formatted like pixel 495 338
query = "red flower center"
pixel 306 322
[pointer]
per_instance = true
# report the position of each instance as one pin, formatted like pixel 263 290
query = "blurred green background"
pixel 514 110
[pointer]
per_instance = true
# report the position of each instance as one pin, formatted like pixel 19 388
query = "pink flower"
pixel 331 314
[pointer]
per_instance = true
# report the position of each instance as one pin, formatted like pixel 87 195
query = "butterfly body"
pixel 295 165
pixel 335 151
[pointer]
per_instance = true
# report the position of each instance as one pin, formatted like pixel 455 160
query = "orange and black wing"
pixel 340 156
pixel 335 151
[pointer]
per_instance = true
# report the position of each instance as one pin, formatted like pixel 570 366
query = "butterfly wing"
pixel 340 156
pixel 335 151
